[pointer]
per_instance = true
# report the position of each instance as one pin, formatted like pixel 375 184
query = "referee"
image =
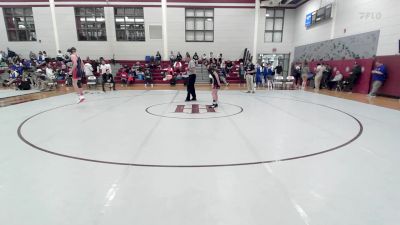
pixel 191 80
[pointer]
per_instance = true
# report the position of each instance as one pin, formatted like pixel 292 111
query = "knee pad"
pixel 79 83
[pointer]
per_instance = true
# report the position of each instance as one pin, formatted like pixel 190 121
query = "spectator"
pixel 2 56
pixel 220 58
pixel 250 71
pixel 268 74
pixel 158 58
pixel 318 76
pixel 106 74
pixel 326 75
pixel 60 56
pixel 258 75
pixel 178 57
pixel 196 58
pixel 228 67
pixel 172 58
pixel 305 70
pixel 45 55
pixel 278 70
pixel 379 76
pixel 222 76
pixel 12 78
pixel 148 78
pixel 354 75
pixel 335 81
pixel 241 72
pixel 88 69
pixel 297 74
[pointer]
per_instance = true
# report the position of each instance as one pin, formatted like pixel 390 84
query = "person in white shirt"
pixel 335 81
pixel 318 76
pixel 88 69
pixel 106 74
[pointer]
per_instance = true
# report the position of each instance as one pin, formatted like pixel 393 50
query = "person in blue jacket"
pixel 258 75
pixel 267 72
pixel 379 76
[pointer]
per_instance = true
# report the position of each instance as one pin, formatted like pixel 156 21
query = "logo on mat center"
pixel 194 109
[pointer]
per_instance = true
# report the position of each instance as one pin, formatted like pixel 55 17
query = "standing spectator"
pixel 318 76
pixel 278 70
pixel 326 75
pixel 258 75
pixel 241 72
pixel 250 71
pixel 305 70
pixel 178 57
pixel 172 58
pixel 268 75
pixel 148 78
pixel 191 91
pixel 220 58
pixel 379 76
pixel 354 75
pixel 297 74
pixel 158 58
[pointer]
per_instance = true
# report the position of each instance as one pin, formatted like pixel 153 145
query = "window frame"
pixel 204 22
pixel 125 39
pixel 95 23
pixel 13 16
pixel 274 18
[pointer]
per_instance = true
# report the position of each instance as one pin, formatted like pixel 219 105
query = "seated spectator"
pixel 178 67
pixel 196 58
pixel 335 81
pixel 41 60
pixel 60 56
pixel 25 84
pixel 354 75
pixel 45 55
pixel 379 76
pixel 12 78
pixel 106 74
pixel 124 76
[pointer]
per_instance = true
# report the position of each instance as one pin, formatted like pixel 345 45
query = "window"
pixel 274 20
pixel 90 24
pixel 129 24
pixel 19 24
pixel 199 25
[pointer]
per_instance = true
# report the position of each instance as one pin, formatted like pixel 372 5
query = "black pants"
pixel 107 77
pixel 332 84
pixel 351 82
pixel 190 87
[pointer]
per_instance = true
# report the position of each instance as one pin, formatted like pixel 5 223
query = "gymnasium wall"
pixel 44 33
pixel 121 49
pixel 233 32
pixel 287 44
pixel 352 17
